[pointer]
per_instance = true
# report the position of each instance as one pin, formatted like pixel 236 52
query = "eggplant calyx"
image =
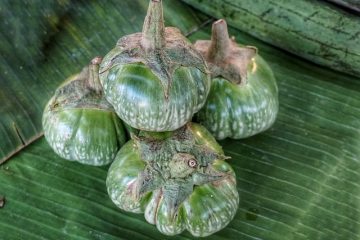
pixel 83 90
pixel 223 55
pixel 162 50
pixel 176 179
pixel 175 163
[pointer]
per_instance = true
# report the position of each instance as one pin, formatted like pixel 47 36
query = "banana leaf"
pixel 353 5
pixel 298 180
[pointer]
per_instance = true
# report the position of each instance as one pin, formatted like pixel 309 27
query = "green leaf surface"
pixel 298 180
pixel 26 27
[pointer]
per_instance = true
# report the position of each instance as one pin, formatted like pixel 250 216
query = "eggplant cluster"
pixel 148 88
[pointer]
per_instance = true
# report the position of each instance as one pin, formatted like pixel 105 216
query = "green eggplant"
pixel 155 80
pixel 79 124
pixel 243 98
pixel 179 180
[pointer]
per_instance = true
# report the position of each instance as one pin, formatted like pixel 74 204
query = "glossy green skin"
pixel 240 111
pixel 89 136
pixel 208 209
pixel 139 98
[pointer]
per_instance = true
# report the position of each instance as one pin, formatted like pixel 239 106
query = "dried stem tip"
pixel 220 41
pixel 153 34
pixel 2 201
pixel 93 79
pixel 96 60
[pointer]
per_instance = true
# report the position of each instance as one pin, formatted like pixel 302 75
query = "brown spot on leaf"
pixel 252 214
pixel 2 201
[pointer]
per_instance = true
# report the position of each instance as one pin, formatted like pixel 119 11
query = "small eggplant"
pixel 243 98
pixel 155 80
pixel 178 179
pixel 79 124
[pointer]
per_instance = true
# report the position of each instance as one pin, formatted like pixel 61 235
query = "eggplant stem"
pixel 220 41
pixel 93 79
pixel 153 34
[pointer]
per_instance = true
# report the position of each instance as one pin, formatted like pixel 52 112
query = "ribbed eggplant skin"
pixel 241 110
pixel 89 136
pixel 138 96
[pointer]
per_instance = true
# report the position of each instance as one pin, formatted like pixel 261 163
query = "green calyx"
pixel 224 57
pixel 175 163
pixel 161 49
pixel 82 91
pixel 160 146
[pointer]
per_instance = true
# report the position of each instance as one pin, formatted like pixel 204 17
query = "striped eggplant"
pixel 243 98
pixel 315 30
pixel 178 179
pixel 79 124
pixel 155 80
